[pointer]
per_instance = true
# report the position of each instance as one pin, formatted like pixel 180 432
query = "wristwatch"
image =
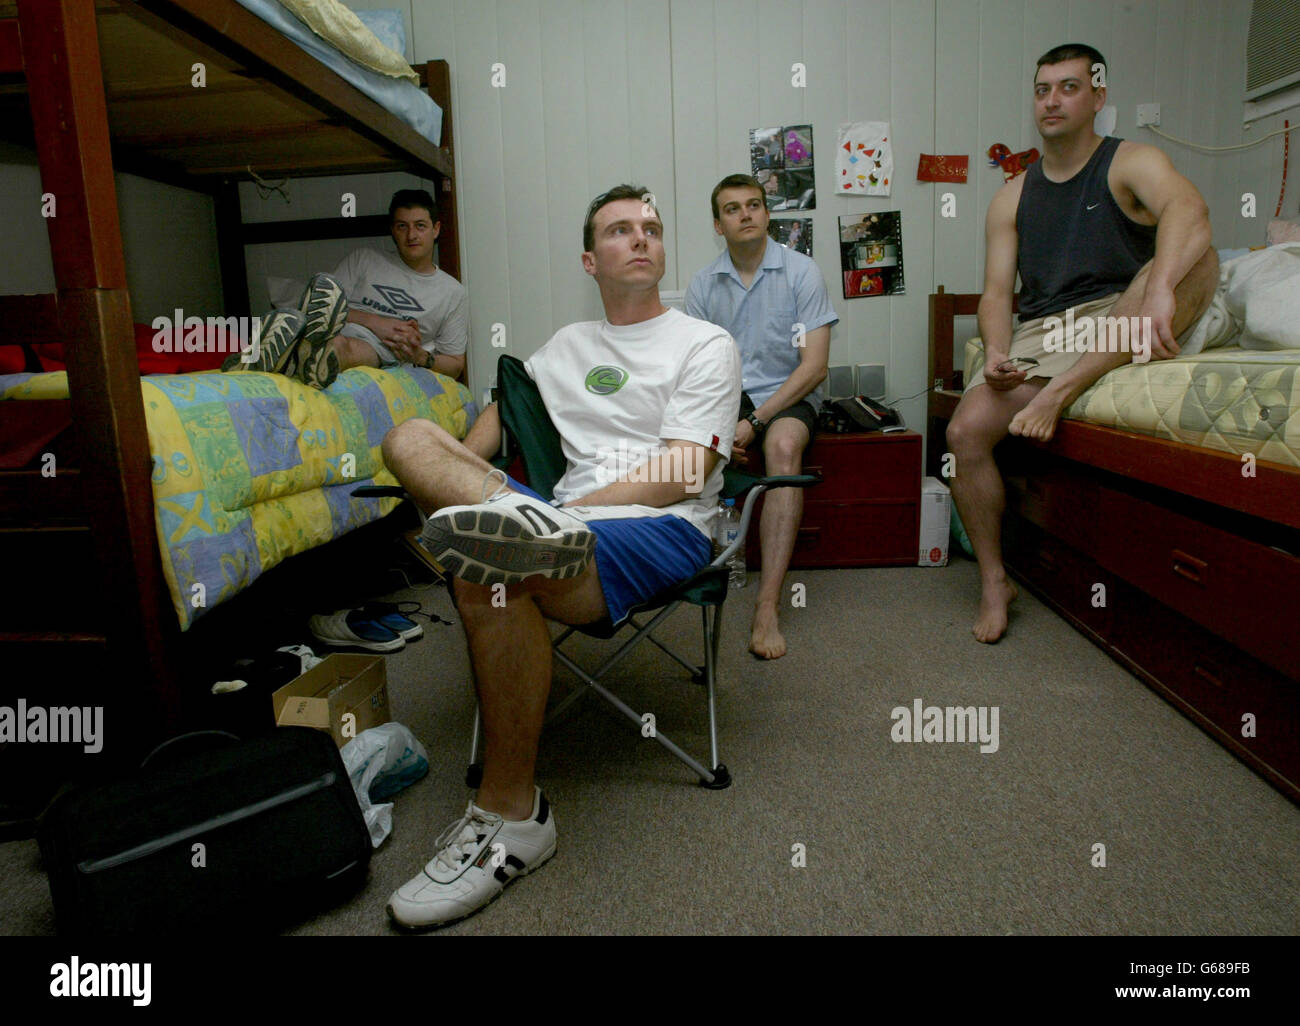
pixel 754 422
pixel 428 360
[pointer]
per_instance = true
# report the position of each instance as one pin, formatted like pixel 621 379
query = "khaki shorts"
pixel 1029 339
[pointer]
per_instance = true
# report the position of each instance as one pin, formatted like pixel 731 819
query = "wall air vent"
pixel 1273 47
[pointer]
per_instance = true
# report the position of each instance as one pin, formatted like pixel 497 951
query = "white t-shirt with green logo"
pixel 616 393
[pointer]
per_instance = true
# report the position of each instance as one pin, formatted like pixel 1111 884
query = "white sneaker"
pixel 350 628
pixel 507 538
pixel 477 856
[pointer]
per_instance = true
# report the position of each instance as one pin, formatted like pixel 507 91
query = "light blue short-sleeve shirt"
pixel 787 289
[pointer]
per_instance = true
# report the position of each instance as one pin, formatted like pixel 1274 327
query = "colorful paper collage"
pixel 864 159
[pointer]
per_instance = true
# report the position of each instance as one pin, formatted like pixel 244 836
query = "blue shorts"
pixel 638 557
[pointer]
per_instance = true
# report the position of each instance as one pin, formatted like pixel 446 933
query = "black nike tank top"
pixel 1076 244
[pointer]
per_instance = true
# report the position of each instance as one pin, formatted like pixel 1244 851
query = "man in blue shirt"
pixel 773 302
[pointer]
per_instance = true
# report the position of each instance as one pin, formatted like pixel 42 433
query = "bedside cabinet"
pixel 866 511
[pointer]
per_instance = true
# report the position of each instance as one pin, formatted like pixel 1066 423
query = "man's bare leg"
pixel 510 648
pixel 509 645
pixel 783 448
pixel 1192 296
pixel 979 424
pixel 433 467
pixel 354 352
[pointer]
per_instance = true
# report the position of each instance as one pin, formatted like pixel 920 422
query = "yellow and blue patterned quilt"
pixel 251 468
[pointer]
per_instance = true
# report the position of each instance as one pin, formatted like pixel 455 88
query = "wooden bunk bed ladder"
pixel 60 53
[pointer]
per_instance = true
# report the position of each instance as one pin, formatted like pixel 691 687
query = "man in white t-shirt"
pixel 646 403
pixel 376 310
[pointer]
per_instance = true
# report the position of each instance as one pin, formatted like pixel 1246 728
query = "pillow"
pixel 285 292
pixel 334 23
pixel 1282 231
pixel 388 26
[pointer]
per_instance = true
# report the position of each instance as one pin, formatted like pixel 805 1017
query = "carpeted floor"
pixel 932 838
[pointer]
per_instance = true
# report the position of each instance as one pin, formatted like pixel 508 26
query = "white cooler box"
pixel 936 520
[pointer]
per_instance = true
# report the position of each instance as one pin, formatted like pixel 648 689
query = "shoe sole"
pixel 395 645
pixel 276 348
pixel 324 309
pixel 369 646
pixel 318 363
pixel 483 547
pixel 425 928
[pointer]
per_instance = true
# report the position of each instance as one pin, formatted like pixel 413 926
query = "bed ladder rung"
pixel 52 638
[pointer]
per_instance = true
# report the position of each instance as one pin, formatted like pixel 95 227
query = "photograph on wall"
pixel 795 233
pixel 871 254
pixel 781 159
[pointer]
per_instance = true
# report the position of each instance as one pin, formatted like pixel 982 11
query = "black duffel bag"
pixel 212 834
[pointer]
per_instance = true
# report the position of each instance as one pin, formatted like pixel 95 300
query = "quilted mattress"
pixel 1233 400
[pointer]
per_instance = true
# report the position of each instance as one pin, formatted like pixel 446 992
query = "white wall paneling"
pixel 664 93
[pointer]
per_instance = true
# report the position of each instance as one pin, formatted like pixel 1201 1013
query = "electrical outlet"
pixel 1148 114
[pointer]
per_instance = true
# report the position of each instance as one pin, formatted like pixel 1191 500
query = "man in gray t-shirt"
pixel 403 308
pixel 377 310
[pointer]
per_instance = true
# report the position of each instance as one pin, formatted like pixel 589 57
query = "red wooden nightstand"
pixel 867 510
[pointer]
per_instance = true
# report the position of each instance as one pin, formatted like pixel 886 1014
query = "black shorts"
pixel 801 411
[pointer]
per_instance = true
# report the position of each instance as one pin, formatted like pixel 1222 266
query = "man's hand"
pixel 1003 375
pixel 1158 312
pixel 744 435
pixel 408 352
pixel 394 332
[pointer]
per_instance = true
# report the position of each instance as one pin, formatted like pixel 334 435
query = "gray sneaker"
pixel 277 344
pixel 508 537
pixel 318 363
pixel 324 308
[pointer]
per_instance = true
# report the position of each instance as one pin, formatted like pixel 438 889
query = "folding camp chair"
pixel 528 428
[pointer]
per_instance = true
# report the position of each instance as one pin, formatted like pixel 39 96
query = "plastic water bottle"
pixel 727 530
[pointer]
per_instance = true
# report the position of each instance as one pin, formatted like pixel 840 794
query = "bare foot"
pixel 765 640
pixel 1038 419
pixel 991 623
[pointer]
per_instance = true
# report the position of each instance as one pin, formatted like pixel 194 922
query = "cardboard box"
pixel 343 694
pixel 936 522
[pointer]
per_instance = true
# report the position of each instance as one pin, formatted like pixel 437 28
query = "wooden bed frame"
pixel 1198 565
pixel 92 603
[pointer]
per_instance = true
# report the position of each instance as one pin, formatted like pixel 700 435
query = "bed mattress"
pixel 1232 400
pixel 398 97
pixel 250 468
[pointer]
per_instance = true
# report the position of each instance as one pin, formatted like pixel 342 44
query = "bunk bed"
pixel 1180 559
pixel 96 86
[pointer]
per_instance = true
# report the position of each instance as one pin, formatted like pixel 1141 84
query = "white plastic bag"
pixel 384 760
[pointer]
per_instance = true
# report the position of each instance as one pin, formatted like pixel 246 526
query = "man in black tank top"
pixel 1099 228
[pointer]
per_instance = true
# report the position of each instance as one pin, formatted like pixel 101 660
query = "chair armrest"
pixel 789 481
pixel 738 481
